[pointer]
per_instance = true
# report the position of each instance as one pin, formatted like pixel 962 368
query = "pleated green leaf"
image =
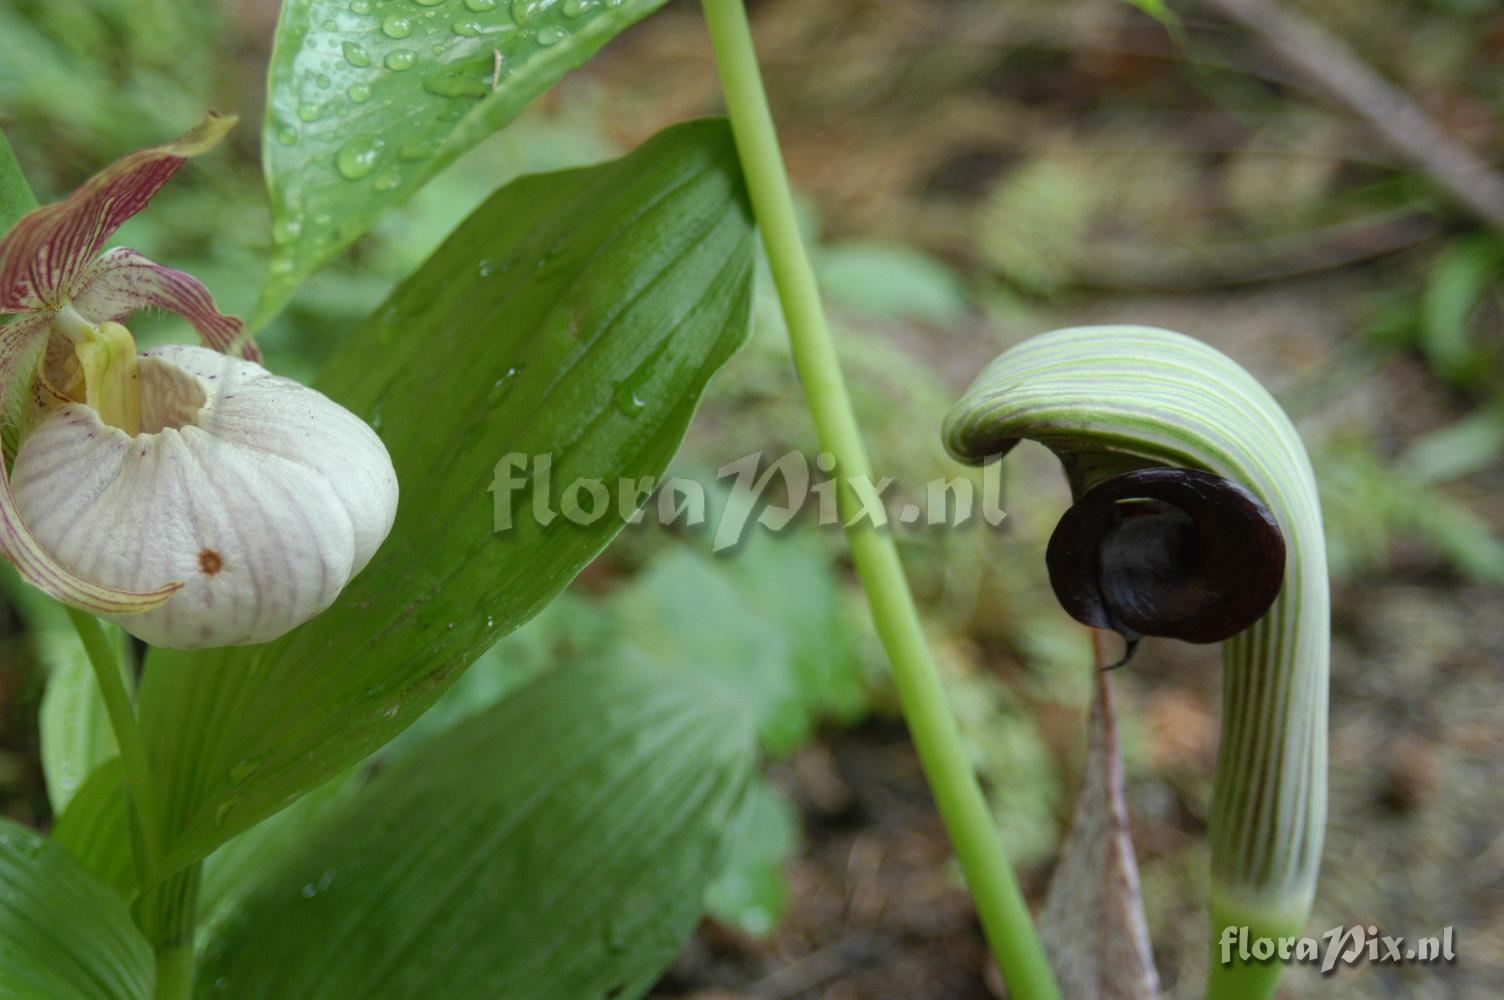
pixel 75 730
pixel 557 846
pixel 96 829
pixel 1113 398
pixel 369 99
pixel 63 934
pixel 766 622
pixel 231 871
pixel 577 315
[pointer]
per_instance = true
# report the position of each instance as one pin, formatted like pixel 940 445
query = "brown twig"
pixel 1331 65
pixel 810 971
pixel 1123 265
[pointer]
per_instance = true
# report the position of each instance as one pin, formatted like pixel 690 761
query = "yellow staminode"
pixel 112 382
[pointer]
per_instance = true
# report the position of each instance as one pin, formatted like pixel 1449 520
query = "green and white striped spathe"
pixel 1111 398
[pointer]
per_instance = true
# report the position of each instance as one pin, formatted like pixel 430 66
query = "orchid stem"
pixel 175 973
pixel 109 673
pixel 958 796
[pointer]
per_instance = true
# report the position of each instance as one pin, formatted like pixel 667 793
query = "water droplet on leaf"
pixel 396 26
pixel 358 158
pixel 498 392
pixel 617 934
pixel 628 401
pixel 457 85
pixel 400 59
pixel 524 11
pixel 629 396
pixel 240 772
pixel 355 55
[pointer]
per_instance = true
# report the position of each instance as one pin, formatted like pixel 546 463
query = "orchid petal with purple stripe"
pixel 46 256
pixel 121 281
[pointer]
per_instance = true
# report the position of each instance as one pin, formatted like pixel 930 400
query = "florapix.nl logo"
pixel 1337 946
pixel 751 491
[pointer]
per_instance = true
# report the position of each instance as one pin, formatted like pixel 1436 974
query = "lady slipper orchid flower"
pixel 191 496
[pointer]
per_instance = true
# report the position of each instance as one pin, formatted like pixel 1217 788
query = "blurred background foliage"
pixel 975 171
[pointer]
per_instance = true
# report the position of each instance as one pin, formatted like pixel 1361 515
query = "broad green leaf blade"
pixel 75 729
pixel 96 829
pixel 63 933
pixel 369 99
pixel 556 846
pixel 16 198
pixel 568 628
pixel 1111 398
pixel 233 870
pixel 578 315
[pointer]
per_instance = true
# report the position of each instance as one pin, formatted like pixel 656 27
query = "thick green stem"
pixel 999 902
pixel 166 909
pixel 167 913
pixel 1240 977
pixel 175 973
pixel 108 672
